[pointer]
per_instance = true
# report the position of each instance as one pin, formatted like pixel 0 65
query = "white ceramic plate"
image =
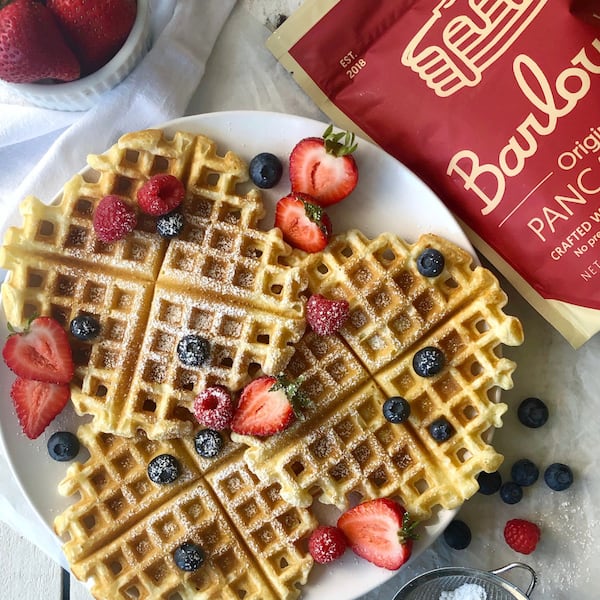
pixel 389 197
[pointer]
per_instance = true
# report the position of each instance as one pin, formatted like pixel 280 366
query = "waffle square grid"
pixel 222 277
pixel 345 448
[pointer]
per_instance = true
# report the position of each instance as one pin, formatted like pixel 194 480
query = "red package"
pixel 496 105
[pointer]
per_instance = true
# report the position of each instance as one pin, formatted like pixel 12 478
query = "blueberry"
pixel 396 409
pixel 457 535
pixel 208 443
pixel 441 430
pixel 489 483
pixel 170 225
pixel 532 412
pixel 188 556
pixel 265 170
pixel 511 492
pixel 163 469
pixel 430 262
pixel 558 477
pixel 63 446
pixel 193 350
pixel 428 361
pixel 85 327
pixel 524 472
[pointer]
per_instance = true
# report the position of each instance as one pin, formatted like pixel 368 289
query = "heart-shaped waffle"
pixel 345 445
pixel 222 279
pixel 122 530
pixel 242 290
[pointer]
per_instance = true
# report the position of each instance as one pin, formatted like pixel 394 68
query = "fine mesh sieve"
pixel 430 585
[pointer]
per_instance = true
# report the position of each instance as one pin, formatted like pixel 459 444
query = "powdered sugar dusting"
pixel 467 591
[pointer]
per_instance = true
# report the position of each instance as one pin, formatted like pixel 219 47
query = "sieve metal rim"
pixel 492 576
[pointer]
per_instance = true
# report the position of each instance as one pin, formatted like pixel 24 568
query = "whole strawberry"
pixel 31 45
pixel 521 535
pixel 95 29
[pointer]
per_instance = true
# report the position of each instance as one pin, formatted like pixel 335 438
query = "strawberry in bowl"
pixel 95 30
pixel 32 46
pixel 63 54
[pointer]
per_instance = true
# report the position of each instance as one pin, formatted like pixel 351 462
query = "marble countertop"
pixel 241 74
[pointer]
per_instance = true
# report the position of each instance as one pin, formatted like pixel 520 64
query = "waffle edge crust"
pixel 243 289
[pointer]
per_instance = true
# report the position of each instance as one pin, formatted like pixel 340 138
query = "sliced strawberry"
pixel 267 405
pixel 38 403
pixel 303 223
pixel 41 352
pixel 379 531
pixel 324 167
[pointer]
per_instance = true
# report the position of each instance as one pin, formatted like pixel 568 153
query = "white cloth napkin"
pixel 41 149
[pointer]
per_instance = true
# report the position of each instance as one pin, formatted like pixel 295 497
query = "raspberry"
pixel 326 316
pixel 160 195
pixel 327 543
pixel 213 408
pixel 113 219
pixel 521 535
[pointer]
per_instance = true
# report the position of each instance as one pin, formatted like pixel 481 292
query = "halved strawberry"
pixel 324 167
pixel 379 531
pixel 41 352
pixel 303 223
pixel 268 405
pixel 37 403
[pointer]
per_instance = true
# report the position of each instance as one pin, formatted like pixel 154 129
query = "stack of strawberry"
pixel 42 359
pixel 60 40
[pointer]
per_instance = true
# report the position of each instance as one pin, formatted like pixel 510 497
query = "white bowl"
pixel 83 93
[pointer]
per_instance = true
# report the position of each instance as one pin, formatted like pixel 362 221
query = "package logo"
pixel 462 38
